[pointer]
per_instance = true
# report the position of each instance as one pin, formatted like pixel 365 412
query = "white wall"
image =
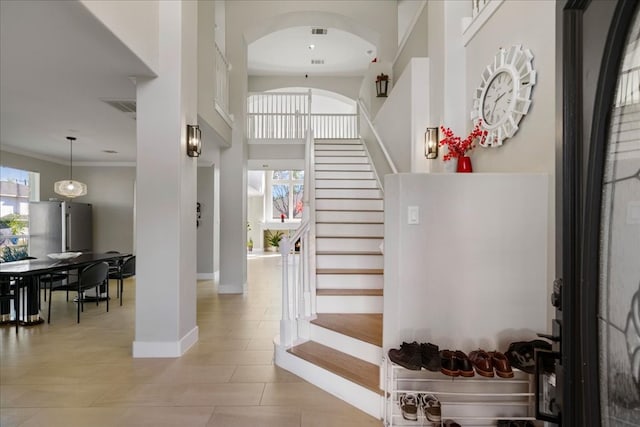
pixel 205 232
pixel 206 73
pixel 255 216
pixel 134 22
pixel 111 192
pixel 473 272
pixel 346 86
pixel 402 120
pixel 415 44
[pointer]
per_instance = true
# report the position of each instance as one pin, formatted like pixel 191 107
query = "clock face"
pixel 504 95
pixel 497 98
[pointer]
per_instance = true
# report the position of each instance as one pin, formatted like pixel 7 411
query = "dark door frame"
pixel 581 198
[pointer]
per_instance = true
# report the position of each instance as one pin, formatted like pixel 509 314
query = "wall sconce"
pixel 194 144
pixel 382 84
pixel 431 143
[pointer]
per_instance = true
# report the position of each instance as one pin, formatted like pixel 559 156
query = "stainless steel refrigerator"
pixel 59 227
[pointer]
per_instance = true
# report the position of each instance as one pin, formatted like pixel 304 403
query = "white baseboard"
pixel 231 289
pixel 205 276
pixel 159 349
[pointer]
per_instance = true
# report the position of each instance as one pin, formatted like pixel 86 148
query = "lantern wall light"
pixel 431 143
pixel 194 143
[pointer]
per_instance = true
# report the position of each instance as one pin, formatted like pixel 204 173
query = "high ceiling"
pixel 297 51
pixel 58 66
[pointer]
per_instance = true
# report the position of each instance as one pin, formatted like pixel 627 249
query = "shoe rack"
pixel 473 401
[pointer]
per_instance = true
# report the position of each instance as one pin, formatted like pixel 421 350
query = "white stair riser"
pixel 344 193
pixel 344 175
pixel 352 346
pixel 333 147
pixel 349 204
pixel 357 230
pixel 343 167
pixel 349 281
pixel 346 183
pixel 349 304
pixel 349 216
pixel 346 244
pixel 323 159
pixel 340 153
pixel 349 261
pixel 355 395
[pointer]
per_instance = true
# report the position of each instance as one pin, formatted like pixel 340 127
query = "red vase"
pixel 464 164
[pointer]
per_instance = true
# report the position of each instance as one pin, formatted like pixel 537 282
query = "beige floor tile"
pixel 301 394
pixel 263 416
pixel 51 395
pixel 68 374
pixel 75 417
pixel 192 373
pixel 263 373
pixel 353 418
pixel 185 416
pixel 13 417
pixel 142 395
pixel 221 395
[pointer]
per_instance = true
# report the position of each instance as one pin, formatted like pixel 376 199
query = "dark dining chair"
pixel 125 270
pixel 8 293
pixel 92 276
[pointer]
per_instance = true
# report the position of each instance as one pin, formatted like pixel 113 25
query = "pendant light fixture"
pixel 70 188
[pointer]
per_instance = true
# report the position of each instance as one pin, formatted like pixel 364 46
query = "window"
pixel 286 194
pixel 17 188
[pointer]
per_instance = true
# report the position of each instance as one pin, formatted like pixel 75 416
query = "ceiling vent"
pixel 317 61
pixel 319 31
pixel 124 105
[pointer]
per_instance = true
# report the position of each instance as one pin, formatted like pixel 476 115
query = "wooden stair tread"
pixel 353 369
pixel 349 271
pixel 350 292
pixel 366 327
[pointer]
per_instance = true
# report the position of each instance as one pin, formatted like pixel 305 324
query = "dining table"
pixel 27 271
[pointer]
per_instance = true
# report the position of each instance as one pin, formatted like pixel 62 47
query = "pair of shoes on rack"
pixel 486 362
pixel 416 356
pixel 455 363
pixel 451 423
pixel 521 354
pixel 411 402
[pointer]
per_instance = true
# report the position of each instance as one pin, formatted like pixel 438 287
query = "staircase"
pixel 344 351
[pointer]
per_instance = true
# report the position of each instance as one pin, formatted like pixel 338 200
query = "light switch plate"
pixel 413 215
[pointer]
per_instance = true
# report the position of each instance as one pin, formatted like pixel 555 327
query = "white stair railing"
pixel 285 116
pixel 298 279
pixel 222 81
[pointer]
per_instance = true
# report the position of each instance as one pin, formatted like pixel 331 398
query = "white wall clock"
pixel 504 95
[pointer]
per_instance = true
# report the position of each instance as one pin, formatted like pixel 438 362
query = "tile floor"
pixel 71 375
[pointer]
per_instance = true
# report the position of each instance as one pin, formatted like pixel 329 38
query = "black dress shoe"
pixel 408 356
pixel 430 357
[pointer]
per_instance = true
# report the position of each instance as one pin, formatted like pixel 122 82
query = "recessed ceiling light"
pixel 110 151
pixel 311 46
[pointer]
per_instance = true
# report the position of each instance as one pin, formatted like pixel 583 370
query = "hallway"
pixel 70 375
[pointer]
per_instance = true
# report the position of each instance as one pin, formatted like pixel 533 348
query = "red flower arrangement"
pixel 458 147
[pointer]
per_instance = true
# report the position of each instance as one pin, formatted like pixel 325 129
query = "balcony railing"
pixel 477 6
pixel 222 81
pixel 285 116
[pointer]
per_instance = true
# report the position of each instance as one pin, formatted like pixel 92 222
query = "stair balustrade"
pixel 298 279
pixel 285 116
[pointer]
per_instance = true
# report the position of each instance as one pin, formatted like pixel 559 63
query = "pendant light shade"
pixel 68 187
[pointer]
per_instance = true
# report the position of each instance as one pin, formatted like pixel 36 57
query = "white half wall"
pixel 473 272
pixel 402 120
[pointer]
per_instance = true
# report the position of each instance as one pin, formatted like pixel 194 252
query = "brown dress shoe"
pixel 501 365
pixel 448 365
pixel 483 363
pixel 464 364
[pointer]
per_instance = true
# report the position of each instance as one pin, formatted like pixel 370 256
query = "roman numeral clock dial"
pixel 504 95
